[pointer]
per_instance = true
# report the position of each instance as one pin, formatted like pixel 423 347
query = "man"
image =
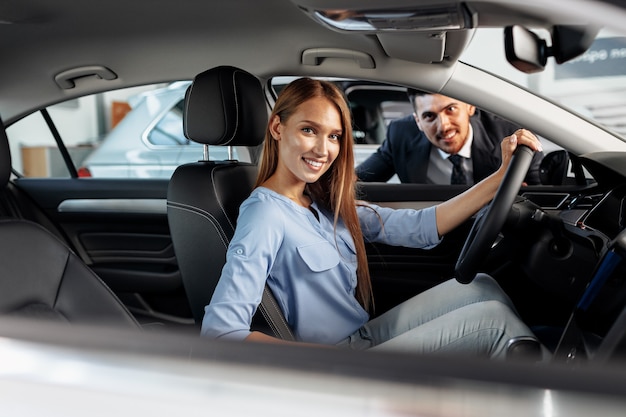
pixel 418 146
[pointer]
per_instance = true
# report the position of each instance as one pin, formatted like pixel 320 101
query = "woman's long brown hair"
pixel 335 190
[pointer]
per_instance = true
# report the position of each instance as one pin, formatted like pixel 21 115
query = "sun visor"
pixel 416 47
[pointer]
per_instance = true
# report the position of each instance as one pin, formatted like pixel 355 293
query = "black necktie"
pixel 458 173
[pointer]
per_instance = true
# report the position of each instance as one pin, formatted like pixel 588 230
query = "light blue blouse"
pixel 310 270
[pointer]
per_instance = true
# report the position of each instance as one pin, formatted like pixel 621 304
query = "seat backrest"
pixel 202 209
pixel 224 106
pixel 42 277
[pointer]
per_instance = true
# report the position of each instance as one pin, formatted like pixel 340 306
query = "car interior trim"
pixel 67 79
pixel 315 56
pixel 114 205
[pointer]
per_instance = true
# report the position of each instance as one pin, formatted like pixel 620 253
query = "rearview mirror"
pixel 524 49
pixel 529 53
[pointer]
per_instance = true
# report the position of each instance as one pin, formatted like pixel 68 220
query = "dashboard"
pixel 579 250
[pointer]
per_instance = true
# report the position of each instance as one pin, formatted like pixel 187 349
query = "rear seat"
pixel 42 276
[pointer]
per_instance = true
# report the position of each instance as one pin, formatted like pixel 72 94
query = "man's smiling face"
pixel 444 120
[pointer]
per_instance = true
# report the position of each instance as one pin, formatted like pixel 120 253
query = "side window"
pixel 375 105
pixel 29 141
pixel 34 149
pixel 129 133
pixel 168 131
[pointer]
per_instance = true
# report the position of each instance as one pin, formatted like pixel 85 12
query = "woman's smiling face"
pixel 309 141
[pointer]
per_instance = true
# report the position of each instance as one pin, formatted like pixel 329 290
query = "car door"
pixel 119 228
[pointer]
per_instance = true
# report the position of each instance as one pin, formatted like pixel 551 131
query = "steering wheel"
pixel 489 223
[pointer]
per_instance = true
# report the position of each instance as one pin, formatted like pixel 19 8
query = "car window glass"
pixel 168 131
pixel 592 84
pixel 375 105
pixel 127 133
pixel 33 149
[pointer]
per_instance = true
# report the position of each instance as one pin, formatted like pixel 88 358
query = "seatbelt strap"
pixel 274 317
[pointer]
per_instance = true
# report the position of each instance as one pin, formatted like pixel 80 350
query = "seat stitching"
pixel 280 316
pixel 56 296
pixel 219 200
pixel 202 213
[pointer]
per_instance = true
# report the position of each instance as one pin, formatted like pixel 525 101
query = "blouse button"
pixel 239 251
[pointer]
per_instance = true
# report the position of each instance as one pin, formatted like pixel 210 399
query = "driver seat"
pixel 224 106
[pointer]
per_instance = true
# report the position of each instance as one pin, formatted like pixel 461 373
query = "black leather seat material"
pixel 225 106
pixel 41 277
pixel 202 223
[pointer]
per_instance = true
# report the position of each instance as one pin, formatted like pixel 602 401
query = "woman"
pixel 303 231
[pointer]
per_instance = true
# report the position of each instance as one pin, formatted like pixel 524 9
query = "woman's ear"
pixel 275 127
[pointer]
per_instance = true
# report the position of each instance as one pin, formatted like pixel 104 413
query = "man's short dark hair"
pixel 413 92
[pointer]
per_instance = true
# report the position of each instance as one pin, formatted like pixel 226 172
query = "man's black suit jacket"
pixel 406 151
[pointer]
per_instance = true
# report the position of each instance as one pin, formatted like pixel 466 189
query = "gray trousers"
pixel 476 318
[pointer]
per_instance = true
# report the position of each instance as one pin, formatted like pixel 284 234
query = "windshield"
pixel 592 85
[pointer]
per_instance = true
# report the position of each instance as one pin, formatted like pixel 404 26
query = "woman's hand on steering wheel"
pixel 517 155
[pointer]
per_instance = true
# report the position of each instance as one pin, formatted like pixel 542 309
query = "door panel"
pixel 120 229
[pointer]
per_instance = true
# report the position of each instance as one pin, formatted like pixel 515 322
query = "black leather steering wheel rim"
pixel 488 223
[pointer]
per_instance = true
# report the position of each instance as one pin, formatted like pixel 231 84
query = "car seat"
pixel 41 276
pixel 224 106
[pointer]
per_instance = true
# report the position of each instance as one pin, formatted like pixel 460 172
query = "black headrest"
pixel 225 106
pixel 5 157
